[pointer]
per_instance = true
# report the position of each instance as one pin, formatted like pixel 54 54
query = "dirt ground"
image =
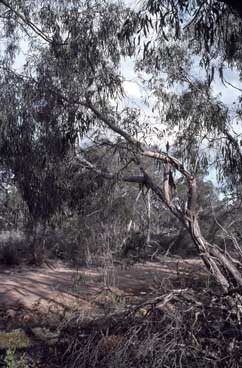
pixel 62 287
pixel 37 302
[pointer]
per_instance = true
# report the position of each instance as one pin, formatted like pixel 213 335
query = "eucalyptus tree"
pixel 72 56
pixel 172 36
pixel 71 82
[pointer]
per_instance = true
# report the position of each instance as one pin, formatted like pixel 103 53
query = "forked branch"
pixel 219 264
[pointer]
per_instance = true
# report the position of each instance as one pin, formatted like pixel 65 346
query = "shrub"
pixel 9 255
pixel 12 247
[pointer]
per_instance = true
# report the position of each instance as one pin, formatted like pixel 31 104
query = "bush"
pixel 8 255
pixel 12 247
pixel 135 247
pixel 180 329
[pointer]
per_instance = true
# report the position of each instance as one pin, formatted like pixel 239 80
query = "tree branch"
pixel 111 124
pixel 147 153
pixel 220 266
pixel 139 179
pixel 169 160
pixel 27 22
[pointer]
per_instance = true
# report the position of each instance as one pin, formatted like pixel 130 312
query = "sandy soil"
pixel 63 287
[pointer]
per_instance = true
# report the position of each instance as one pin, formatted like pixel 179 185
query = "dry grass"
pixel 172 325
pixel 180 329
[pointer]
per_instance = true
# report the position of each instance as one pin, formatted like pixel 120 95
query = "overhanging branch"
pixel 138 179
pixel 111 124
pixel 220 266
pixel 147 153
pixel 28 22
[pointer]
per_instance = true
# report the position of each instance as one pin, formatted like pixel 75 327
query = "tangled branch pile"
pixel 180 329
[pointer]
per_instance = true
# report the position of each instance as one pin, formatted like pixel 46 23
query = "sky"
pixel 132 88
pixel 136 94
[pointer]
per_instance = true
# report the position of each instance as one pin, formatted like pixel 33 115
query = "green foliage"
pixel 10 359
pixel 42 116
pixel 211 28
pixel 13 361
pixel 69 88
pixel 13 340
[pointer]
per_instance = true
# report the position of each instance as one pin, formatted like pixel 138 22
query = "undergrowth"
pixel 181 329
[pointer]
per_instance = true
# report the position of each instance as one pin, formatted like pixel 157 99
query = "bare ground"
pixel 38 305
pixel 63 288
